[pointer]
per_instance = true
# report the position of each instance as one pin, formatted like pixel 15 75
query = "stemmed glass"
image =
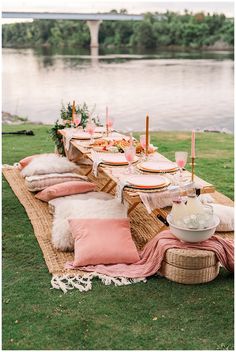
pixel 181 160
pixel 109 124
pixel 130 153
pixel 143 144
pixel 90 128
pixel 77 120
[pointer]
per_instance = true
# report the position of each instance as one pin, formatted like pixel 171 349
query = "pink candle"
pixel 106 115
pixel 193 144
pixel 131 139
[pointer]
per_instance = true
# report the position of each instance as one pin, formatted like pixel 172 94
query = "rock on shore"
pixel 10 119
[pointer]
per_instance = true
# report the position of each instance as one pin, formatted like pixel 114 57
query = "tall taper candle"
pixel 193 164
pixel 193 144
pixel 147 135
pixel 107 120
pixel 73 111
pixel 193 153
pixel 106 115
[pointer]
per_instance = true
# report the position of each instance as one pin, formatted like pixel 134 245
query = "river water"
pixel 179 91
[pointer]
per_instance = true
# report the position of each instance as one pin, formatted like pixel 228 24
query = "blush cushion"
pixel 65 189
pixel 24 162
pixel 40 182
pixel 62 238
pixel 48 164
pixel 102 241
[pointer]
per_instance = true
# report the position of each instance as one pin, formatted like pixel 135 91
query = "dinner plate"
pixel 115 158
pixel 86 135
pixel 158 166
pixel 147 181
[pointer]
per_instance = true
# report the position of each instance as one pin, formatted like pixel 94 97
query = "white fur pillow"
pixel 52 204
pixel 82 209
pixel 40 182
pixel 47 164
pixel 226 215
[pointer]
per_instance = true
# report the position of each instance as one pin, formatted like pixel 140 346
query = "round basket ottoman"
pixel 190 266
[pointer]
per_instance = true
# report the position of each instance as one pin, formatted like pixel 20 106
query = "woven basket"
pixel 189 276
pixel 190 258
pixel 190 266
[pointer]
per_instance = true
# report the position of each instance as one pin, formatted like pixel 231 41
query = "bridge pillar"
pixel 94 30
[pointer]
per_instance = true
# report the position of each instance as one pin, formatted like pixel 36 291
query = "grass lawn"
pixel 158 315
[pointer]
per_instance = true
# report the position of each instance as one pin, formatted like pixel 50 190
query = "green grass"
pixel 158 315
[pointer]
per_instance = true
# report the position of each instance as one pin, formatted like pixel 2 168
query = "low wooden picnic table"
pixel 107 178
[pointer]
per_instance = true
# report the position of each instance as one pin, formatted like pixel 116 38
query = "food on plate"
pixel 111 145
pixel 140 149
pixel 100 143
pixel 115 146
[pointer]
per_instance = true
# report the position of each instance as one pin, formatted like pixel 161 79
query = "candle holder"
pixel 193 164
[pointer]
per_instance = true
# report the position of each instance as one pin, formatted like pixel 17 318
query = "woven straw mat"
pixel 143 227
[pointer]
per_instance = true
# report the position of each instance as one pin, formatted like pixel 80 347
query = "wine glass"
pixel 181 160
pixel 77 120
pixel 143 144
pixel 109 124
pixel 130 153
pixel 90 128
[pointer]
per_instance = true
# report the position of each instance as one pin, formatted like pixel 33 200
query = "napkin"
pixel 69 136
pixel 96 161
pixel 164 199
pixel 119 189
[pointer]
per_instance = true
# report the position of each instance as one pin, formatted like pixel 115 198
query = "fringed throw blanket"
pixel 153 254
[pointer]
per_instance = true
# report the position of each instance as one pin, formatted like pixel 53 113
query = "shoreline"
pixel 9 119
pixel 217 46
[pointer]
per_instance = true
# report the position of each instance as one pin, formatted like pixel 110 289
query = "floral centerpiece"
pixel 66 122
pixel 66 114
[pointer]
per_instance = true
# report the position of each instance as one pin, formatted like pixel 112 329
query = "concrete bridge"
pixel 93 20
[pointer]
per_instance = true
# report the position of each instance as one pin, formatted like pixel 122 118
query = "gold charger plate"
pixel 142 167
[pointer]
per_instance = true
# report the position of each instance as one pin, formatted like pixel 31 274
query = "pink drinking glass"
pixel 130 153
pixel 109 124
pixel 90 128
pixel 181 160
pixel 143 144
pixel 77 120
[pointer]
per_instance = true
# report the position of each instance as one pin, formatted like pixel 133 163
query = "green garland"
pixel 57 137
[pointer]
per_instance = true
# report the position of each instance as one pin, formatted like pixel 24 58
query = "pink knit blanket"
pixel 153 254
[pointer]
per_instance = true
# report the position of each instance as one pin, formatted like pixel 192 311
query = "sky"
pixel 133 6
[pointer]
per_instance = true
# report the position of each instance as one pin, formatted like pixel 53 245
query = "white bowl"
pixel 192 235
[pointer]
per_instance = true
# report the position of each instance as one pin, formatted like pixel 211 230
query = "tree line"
pixel 187 30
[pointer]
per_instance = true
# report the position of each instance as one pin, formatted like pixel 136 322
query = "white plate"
pixel 115 158
pixel 86 135
pixel 147 181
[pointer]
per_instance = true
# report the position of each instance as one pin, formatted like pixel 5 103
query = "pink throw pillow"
pixel 24 162
pixel 103 241
pixel 65 189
